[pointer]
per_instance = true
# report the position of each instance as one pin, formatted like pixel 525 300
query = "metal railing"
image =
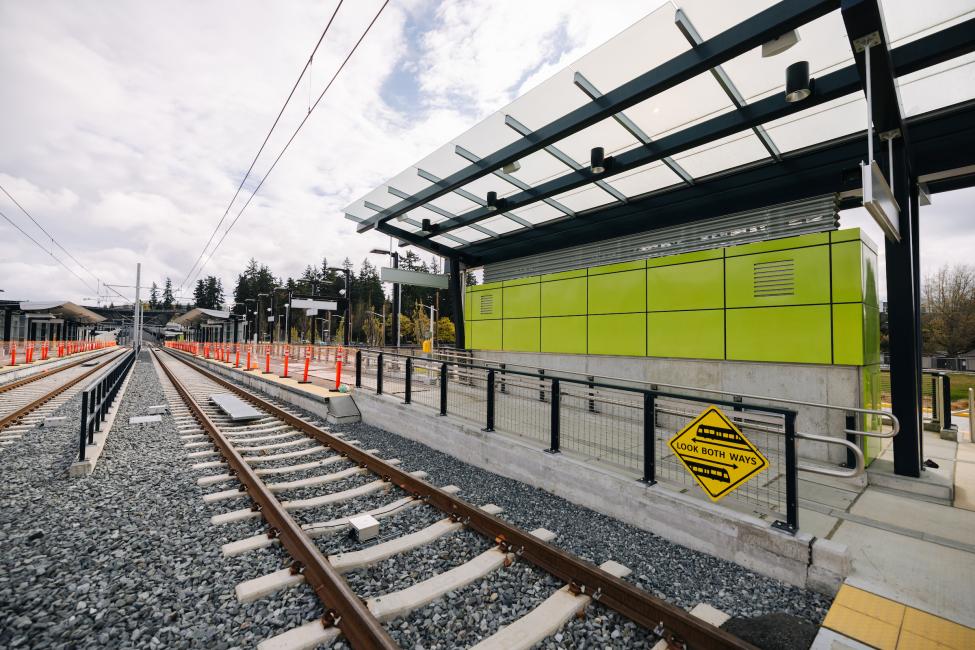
pixel 624 427
pixel 886 424
pixel 97 398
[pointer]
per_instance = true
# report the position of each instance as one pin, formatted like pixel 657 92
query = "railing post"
pixel 851 424
pixel 379 374
pixel 649 439
pixel 408 381
pixel 84 427
pixel 791 525
pixel 556 420
pixel 490 401
pixel 358 368
pixel 946 408
pixel 443 389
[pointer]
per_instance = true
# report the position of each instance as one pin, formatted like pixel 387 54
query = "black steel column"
pixel 905 370
pixel 396 305
pixel 456 288
pixel 649 439
pixel 8 315
pixel 918 344
pixel 489 416
pixel 408 381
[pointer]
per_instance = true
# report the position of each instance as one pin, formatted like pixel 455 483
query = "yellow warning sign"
pixel 716 453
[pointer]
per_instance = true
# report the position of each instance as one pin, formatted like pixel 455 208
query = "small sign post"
pixel 718 456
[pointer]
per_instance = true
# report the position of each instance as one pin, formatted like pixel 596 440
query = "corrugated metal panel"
pixel 817 214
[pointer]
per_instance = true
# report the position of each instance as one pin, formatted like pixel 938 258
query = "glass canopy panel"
pixel 487 136
pixel 908 20
pixel 538 167
pixel 691 102
pixel 822 42
pixel 501 224
pixel 938 86
pixel 440 239
pixel 722 155
pixel 648 43
pixel 454 203
pixel 607 134
pixel 443 162
pixel 648 178
pixel 538 213
pixel 585 198
pixel 490 183
pixel 820 124
pixel 469 234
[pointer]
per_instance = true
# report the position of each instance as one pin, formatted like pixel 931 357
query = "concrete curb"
pixel 801 560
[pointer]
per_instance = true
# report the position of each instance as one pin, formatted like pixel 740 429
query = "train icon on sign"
pixel 708 471
pixel 712 433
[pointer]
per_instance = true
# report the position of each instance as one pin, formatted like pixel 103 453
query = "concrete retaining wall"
pixel 748 541
pixel 836 385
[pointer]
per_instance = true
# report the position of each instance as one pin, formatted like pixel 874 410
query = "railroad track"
pixel 27 401
pixel 279 466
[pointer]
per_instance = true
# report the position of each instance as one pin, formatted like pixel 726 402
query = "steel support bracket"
pixel 870 40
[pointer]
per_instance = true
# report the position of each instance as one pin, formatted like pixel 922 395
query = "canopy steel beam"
pixel 750 33
pixel 472 198
pixel 941 46
pixel 517 182
pixel 416 224
pixel 686 28
pixel 830 167
pixel 562 157
pixel 439 211
pixel 629 125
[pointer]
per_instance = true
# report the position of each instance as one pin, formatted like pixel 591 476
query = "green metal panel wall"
pixel 808 299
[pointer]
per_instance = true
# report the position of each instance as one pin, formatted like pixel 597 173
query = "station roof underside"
pixel 194 316
pixel 63 309
pixel 697 125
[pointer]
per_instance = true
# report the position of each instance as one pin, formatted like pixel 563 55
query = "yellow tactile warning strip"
pixel 888 625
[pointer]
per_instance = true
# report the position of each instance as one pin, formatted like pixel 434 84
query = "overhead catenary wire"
pixel 293 135
pixel 55 242
pixel 49 252
pixel 267 137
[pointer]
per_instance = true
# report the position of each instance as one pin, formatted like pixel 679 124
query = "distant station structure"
pixel 671 212
pixel 46 320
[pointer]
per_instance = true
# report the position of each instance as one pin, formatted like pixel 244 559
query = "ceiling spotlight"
pixel 492 201
pixel 780 44
pixel 426 226
pixel 797 82
pixel 597 160
pixel 511 167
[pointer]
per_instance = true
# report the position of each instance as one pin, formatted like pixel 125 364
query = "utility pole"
pixel 136 325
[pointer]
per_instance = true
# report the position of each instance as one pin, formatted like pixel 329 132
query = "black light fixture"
pixel 492 201
pixel 511 167
pixel 426 226
pixel 797 86
pixel 597 160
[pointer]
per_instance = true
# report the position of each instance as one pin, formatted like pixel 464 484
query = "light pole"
pixel 347 293
pixel 397 289
pixel 257 316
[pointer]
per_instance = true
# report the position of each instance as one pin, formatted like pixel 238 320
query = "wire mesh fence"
pixel 622 427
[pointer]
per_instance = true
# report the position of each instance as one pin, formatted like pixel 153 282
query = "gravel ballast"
pixel 128 558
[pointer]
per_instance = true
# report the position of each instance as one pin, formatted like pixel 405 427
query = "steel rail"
pixel 50 371
pixel 40 401
pixel 342 606
pixel 583 577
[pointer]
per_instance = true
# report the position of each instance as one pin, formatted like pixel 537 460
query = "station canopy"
pixel 64 310
pixel 198 314
pixel 695 124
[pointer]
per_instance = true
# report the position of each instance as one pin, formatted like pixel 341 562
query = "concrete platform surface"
pixel 886 624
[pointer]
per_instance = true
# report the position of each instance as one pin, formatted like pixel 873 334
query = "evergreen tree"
pixel 167 295
pixel 154 296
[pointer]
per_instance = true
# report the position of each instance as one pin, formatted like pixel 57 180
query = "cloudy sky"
pixel 128 125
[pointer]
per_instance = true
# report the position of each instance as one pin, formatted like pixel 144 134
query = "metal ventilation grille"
pixel 776 278
pixel 817 214
pixel 487 304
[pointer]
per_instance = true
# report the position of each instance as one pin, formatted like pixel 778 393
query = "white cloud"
pixel 127 126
